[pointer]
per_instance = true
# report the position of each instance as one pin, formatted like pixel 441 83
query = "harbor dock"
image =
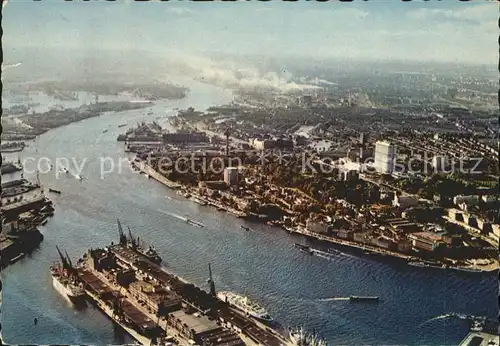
pixel 154 305
pixel 146 169
pixel 364 247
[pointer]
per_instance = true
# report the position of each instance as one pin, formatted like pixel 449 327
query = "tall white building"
pixel 385 157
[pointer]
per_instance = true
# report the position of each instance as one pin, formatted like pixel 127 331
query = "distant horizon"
pixel 447 32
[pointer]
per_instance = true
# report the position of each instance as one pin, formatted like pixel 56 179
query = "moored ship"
pixel 64 279
pixel 133 243
pixel 303 248
pixel 245 305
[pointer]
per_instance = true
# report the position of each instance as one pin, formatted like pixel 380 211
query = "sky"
pixel 445 31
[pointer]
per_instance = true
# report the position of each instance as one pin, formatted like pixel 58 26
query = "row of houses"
pixel 486 228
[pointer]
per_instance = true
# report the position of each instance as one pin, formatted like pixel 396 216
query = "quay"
pixel 144 168
pixel 96 290
pixel 155 307
pixel 348 243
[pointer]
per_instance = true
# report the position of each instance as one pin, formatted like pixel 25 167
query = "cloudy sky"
pixel 422 31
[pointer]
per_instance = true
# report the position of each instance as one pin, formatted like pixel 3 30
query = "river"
pixel 261 263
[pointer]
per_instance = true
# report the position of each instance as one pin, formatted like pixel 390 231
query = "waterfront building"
pixel 425 241
pixel 495 233
pixel 159 300
pixel 383 242
pixel 185 137
pixel 468 200
pixel 201 330
pixel 404 245
pixel 404 201
pixel 456 214
pixel 385 156
pixel 484 226
pixel 345 233
pixel 317 226
pixel 470 220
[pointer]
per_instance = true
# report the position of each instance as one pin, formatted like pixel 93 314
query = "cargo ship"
pixel 245 305
pixel 299 337
pixel 133 243
pixel 303 248
pixel 13 147
pixel 64 279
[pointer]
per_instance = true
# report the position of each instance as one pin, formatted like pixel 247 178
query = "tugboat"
pixel 303 248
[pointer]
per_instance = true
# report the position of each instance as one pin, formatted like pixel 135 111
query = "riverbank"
pixel 192 194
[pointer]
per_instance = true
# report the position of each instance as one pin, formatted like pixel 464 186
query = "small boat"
pixel 17 258
pixel 363 299
pixel 245 228
pixel 121 125
pixel 55 191
pixel 194 223
pixel 104 131
pixel 303 248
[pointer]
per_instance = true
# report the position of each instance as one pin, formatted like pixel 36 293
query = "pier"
pixel 143 167
pixel 152 304
pixel 343 242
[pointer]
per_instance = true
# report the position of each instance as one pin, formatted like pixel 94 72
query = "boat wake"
pixel 450 315
pixel 185 219
pixel 179 217
pixel 328 254
pixel 333 299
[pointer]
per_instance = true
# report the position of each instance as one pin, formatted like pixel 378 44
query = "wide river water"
pixel 297 289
